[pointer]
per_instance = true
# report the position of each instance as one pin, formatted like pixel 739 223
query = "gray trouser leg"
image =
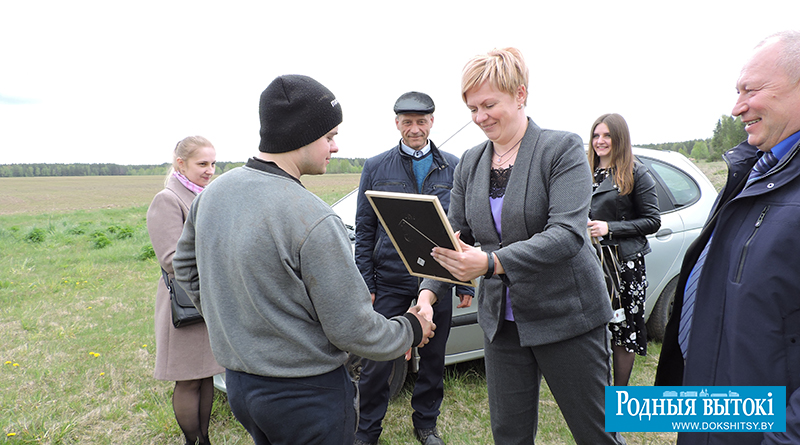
pixel 577 371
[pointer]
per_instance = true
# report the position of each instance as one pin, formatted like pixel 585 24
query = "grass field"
pixel 69 193
pixel 716 172
pixel 77 285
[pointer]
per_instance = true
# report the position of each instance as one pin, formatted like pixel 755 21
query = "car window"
pixel 664 198
pixel 680 188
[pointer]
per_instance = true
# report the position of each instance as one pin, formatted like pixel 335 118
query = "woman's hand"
pixel 466 265
pixel 425 301
pixel 598 228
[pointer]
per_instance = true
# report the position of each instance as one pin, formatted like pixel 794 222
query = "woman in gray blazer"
pixel 524 196
pixel 182 355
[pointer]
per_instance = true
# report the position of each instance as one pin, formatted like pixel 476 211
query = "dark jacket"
pixel 392 171
pixel 630 217
pixel 746 328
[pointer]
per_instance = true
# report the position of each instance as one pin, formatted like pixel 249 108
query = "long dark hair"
pixel 621 152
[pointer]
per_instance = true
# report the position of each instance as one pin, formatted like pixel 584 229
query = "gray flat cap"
pixel 414 102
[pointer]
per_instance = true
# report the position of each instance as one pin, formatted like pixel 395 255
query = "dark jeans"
pixel 307 410
pixel 429 387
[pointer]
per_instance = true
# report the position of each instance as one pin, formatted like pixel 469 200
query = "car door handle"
pixel 663 233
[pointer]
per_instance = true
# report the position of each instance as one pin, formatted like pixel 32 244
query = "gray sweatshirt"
pixel 270 267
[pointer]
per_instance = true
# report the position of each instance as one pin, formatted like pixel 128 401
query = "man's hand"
pixel 466 300
pixel 427 325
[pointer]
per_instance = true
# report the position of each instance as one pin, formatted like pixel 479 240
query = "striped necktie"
pixel 764 164
pixel 689 296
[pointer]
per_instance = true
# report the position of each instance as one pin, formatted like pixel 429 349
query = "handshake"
pixel 424 313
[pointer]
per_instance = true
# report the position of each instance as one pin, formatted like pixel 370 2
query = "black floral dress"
pixel 630 333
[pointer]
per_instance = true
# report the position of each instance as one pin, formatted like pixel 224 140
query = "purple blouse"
pixel 498 179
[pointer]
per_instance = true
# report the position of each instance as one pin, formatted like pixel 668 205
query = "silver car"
pixel 685 197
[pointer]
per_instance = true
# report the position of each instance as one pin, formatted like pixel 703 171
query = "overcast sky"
pixel 122 82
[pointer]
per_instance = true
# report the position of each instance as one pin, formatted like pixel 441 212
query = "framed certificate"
pixel 416 224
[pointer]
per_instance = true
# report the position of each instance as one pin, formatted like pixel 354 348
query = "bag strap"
pixel 614 284
pixel 167 281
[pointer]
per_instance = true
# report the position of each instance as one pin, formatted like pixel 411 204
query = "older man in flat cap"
pixel 414 165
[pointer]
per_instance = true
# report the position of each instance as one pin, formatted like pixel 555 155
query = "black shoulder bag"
pixel 183 311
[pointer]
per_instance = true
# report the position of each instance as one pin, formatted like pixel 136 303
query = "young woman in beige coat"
pixel 182 355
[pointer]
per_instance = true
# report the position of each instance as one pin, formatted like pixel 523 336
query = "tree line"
pixel 337 165
pixel 728 133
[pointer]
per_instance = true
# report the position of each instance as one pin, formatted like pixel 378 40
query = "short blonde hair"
pixel 505 70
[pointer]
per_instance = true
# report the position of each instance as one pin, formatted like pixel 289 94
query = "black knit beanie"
pixel 295 111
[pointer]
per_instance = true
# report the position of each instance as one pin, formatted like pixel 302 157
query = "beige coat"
pixel 185 353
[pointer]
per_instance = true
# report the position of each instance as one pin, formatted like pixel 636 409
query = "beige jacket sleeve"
pixel 165 219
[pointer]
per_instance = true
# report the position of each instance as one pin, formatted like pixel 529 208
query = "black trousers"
pixel 429 388
pixel 307 410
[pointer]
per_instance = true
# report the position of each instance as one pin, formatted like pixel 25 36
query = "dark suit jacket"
pixel 746 325
pixel 553 273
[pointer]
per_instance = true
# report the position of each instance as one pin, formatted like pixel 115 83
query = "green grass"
pixel 464 417
pixel 77 337
pixel 716 172
pixel 77 346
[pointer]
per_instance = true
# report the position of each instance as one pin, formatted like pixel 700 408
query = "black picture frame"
pixel 416 224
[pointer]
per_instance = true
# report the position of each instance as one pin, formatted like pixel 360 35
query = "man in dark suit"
pixel 736 319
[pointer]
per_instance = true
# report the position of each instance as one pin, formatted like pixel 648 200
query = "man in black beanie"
pixel 281 296
pixel 414 165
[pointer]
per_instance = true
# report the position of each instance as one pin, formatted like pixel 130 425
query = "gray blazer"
pixel 552 271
